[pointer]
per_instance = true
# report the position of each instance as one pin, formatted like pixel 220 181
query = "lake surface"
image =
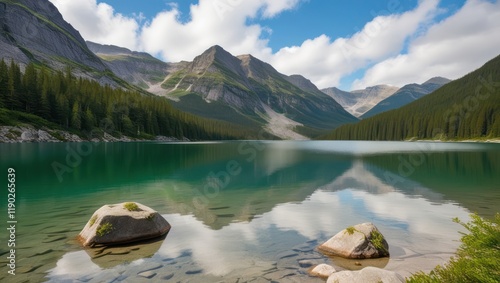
pixel 242 211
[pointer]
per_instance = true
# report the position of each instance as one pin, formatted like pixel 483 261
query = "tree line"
pixel 84 106
pixel 467 108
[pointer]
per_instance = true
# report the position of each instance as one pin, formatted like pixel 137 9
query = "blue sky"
pixel 345 43
pixel 309 19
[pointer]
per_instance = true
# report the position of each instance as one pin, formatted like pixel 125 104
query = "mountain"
pixel 138 68
pixel 405 95
pixel 344 98
pixel 51 81
pixel 358 102
pixel 462 109
pixel 35 31
pixel 242 90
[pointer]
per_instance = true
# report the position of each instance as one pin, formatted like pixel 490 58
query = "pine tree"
pixel 4 83
pixel 30 98
pixel 14 86
pixel 76 119
pixel 88 120
pixel 46 93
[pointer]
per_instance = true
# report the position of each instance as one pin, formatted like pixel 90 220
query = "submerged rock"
pixel 366 275
pixel 360 241
pixel 123 223
pixel 322 270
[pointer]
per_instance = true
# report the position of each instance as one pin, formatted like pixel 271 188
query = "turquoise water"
pixel 242 211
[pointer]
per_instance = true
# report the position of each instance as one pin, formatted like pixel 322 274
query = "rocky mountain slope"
pixel 289 107
pixel 405 95
pixel 240 89
pixel 35 31
pixel 138 68
pixel 358 102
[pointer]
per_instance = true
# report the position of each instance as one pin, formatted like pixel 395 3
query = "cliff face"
pixel 137 68
pixel 35 31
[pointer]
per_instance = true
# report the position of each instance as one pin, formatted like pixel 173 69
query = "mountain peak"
pixel 360 101
pixel 407 94
pixel 107 49
pixel 301 82
pixel 437 81
pixel 216 51
pixel 377 89
pixel 212 55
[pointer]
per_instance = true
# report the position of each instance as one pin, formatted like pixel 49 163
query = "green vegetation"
pixel 378 241
pixel 477 259
pixel 151 216
pixel 463 109
pixel 58 100
pixel 92 220
pixel 131 206
pixel 173 80
pixel 104 229
pixel 350 230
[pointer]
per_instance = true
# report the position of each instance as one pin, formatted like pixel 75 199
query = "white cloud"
pixel 274 7
pixel 221 22
pixel 99 22
pixel 326 62
pixel 451 48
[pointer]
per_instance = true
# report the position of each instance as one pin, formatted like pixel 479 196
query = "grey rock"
pixel 147 274
pixel 322 270
pixel 137 68
pixel 167 276
pixel 280 274
pixel 114 224
pixel 306 263
pixel 360 241
pixel 366 275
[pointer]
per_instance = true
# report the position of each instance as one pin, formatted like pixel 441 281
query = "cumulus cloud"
pixel 397 47
pixel 213 22
pixel 451 48
pixel 325 61
pixel 99 22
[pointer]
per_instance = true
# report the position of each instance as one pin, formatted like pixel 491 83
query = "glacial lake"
pixel 241 211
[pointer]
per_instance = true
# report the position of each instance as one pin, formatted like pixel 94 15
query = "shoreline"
pixel 31 134
pixel 462 141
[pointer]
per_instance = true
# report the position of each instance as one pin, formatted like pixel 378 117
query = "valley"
pixel 217 90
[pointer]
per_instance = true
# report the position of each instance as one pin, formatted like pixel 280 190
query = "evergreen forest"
pixel 58 99
pixel 467 108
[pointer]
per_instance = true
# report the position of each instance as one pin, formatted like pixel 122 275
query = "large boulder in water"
pixel 359 241
pixel 366 275
pixel 123 223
